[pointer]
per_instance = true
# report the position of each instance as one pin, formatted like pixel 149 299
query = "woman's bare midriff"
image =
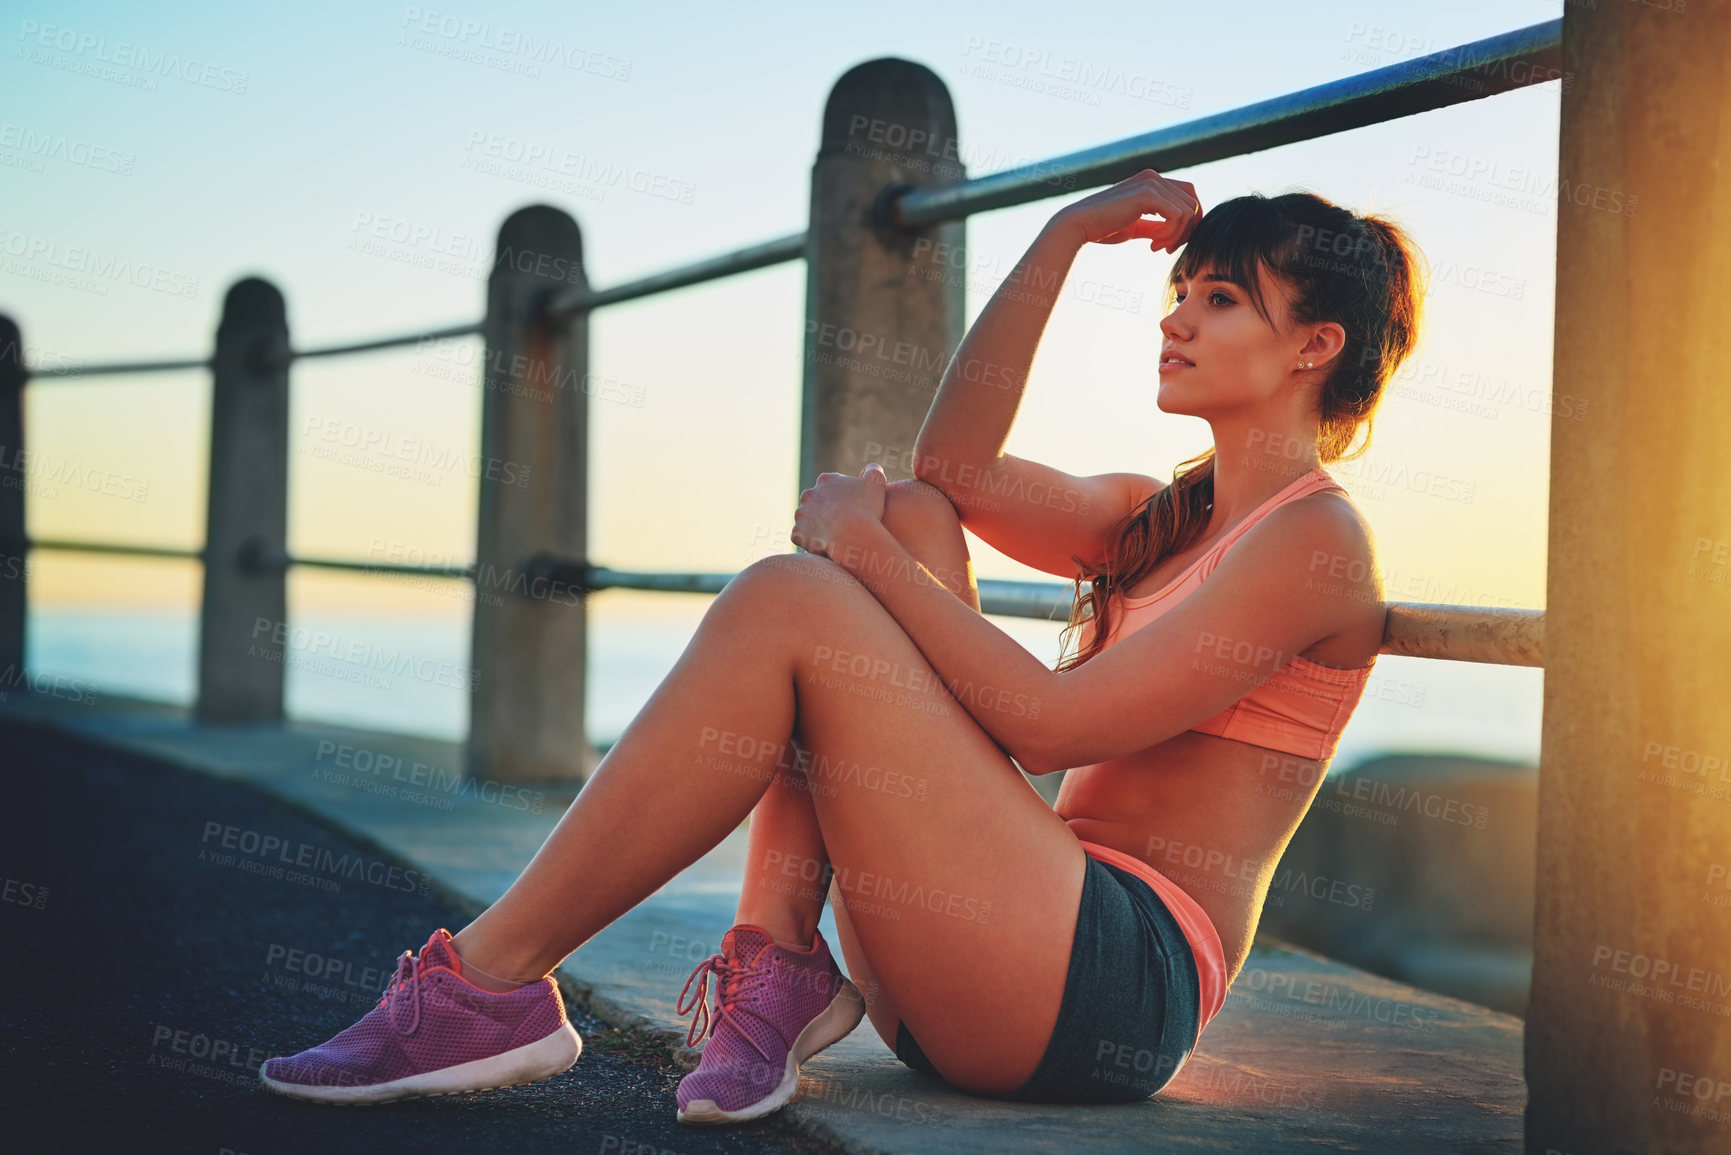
pixel 1212 814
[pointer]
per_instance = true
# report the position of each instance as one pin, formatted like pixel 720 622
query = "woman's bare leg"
pixel 785 882
pixel 963 893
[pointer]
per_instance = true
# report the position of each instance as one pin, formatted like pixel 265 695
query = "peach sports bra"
pixel 1303 706
pixel 1301 709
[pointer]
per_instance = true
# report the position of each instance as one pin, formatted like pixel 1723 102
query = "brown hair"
pixel 1359 271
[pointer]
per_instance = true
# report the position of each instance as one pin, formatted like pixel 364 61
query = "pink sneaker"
pixel 434 1033
pixel 774 1009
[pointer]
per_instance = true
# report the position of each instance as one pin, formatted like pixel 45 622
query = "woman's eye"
pixel 1221 295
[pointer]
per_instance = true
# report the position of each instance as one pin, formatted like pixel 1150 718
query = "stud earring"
pixel 1304 364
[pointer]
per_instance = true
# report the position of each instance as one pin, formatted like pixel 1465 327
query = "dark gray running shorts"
pixel 1131 1004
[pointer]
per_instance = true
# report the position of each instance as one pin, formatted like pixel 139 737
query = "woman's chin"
pixel 1166 400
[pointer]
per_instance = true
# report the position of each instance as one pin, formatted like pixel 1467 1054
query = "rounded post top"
pixel 11 354
pixel 896 107
pixel 545 228
pixel 539 246
pixel 254 302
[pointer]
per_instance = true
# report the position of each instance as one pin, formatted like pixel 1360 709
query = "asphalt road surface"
pixel 144 984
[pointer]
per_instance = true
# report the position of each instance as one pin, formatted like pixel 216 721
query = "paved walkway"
pixel 149 978
pixel 1306 1053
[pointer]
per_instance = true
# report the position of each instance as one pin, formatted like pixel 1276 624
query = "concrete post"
pixel 13 555
pixel 243 646
pixel 526 720
pixel 1628 1037
pixel 883 309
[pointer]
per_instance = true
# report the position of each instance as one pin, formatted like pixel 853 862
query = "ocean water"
pixel 341 671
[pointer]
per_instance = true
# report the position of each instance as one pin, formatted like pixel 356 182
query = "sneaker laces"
pixel 408 977
pixel 733 980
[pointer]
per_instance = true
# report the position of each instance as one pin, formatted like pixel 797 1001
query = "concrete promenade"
pixel 1307 1054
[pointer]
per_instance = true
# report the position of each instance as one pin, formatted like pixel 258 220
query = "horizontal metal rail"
pixel 112 548
pixel 114 368
pixel 758 256
pixel 446 332
pixel 1511 60
pixel 1471 71
pixel 1506 637
pixel 471 329
pixel 376 568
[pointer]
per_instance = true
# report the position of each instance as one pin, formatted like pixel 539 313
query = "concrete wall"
pixel 1420 868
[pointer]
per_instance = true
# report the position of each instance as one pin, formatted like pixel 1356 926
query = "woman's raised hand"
pixel 1121 212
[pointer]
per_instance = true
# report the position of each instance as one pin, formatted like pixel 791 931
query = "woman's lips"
pixel 1169 366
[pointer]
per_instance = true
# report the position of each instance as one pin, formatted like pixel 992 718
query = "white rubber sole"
pixel 544 1058
pixel 835 1023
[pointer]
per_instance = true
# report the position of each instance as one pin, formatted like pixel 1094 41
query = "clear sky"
pixel 342 150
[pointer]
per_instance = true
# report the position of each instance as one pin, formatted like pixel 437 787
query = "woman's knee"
pixel 783 580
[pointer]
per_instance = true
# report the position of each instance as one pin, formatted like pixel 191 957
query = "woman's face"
pixel 1217 352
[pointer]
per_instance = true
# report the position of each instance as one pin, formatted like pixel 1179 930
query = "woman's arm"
pixel 1260 607
pixel 976 403
pixel 1036 514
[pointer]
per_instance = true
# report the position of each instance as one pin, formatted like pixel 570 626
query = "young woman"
pixel 853 702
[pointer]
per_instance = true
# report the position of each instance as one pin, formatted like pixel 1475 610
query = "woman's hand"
pixel 837 503
pixel 1120 213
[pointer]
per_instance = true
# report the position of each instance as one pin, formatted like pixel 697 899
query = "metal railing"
pixel 548 326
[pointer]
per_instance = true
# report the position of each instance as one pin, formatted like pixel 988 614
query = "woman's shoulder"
pixel 1332 534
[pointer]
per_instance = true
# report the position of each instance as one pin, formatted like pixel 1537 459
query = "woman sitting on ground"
pixel 855 704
